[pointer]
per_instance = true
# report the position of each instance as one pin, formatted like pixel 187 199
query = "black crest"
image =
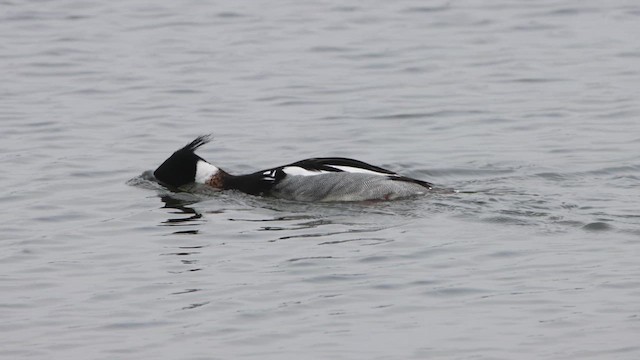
pixel 180 168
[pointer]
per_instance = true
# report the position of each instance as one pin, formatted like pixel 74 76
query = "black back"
pixel 326 164
pixel 256 183
pixel 180 168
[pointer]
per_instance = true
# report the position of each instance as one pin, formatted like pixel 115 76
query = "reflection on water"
pixel 320 227
pixel 190 216
pixel 330 223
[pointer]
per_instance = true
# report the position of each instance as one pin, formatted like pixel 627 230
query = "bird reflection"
pixel 192 218
pixel 186 216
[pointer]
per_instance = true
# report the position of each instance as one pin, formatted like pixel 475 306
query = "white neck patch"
pixel 204 172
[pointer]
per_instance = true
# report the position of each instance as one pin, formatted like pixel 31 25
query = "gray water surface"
pixel 530 109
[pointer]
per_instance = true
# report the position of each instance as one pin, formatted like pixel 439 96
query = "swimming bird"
pixel 316 179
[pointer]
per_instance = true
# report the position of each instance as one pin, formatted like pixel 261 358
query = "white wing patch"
pixel 351 169
pixel 204 172
pixel 269 175
pixel 298 171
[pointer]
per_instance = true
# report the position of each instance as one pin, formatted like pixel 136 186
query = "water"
pixel 529 108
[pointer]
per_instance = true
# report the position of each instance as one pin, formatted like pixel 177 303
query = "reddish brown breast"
pixel 217 180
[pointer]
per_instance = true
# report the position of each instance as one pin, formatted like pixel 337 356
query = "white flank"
pixel 204 172
pixel 298 171
pixel 351 169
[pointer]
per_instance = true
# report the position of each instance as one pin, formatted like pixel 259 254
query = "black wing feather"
pixel 326 164
pixel 428 185
pixel 318 164
pixel 196 143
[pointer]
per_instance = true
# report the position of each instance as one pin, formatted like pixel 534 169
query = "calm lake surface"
pixel 530 108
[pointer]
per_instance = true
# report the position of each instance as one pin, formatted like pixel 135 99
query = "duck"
pixel 327 179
